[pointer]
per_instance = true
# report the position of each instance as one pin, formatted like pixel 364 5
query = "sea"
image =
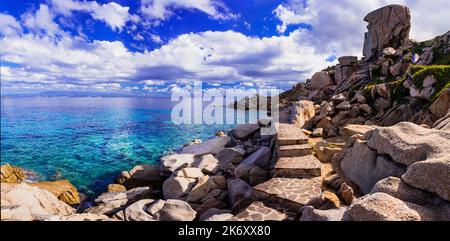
pixel 90 140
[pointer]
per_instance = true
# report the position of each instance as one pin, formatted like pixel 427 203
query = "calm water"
pixel 89 140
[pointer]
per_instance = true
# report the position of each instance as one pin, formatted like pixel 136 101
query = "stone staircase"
pixel 297 179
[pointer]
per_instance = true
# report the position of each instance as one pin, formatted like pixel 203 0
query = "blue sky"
pixel 153 47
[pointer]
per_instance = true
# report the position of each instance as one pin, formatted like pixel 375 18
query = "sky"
pixel 154 47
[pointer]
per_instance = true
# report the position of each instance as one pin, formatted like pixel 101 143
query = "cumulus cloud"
pixel 9 25
pixel 41 21
pixel 113 14
pixel 338 27
pixel 160 10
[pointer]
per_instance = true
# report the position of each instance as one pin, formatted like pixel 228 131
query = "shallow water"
pixel 89 140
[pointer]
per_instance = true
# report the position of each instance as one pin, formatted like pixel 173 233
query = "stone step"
pixel 298 167
pixel 294 150
pixel 265 211
pixel 289 134
pixel 290 193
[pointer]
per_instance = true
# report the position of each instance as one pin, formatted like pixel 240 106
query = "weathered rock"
pixel 211 146
pixel 301 112
pixel 325 123
pixel 325 152
pixel 362 166
pixel 389 52
pixel 381 104
pixel 397 114
pixel 321 80
pixel 395 187
pixel 383 207
pixel 116 188
pixel 189 172
pixel 138 211
pixel 62 189
pixel 350 130
pixel 172 163
pixel 348 60
pixel 366 108
pixel 311 214
pixel 175 210
pixel 22 202
pixel 238 190
pixel 343 106
pixel 207 163
pixel 145 175
pixel 408 143
pixel 259 158
pixel 85 217
pixel 155 206
pixel 441 105
pixel 200 190
pixel 233 155
pixel 359 98
pixel 388 27
pixel 431 175
pixel 337 99
pixel 243 131
pixel 215 214
pixel 109 203
pixel 318 132
pixel 177 187
pixel 443 123
pixel 11 174
pixel 258 175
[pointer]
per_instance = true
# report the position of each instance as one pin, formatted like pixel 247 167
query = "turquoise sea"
pixel 89 140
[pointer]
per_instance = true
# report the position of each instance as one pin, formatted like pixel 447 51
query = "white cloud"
pixel 41 21
pixel 156 39
pixel 339 27
pixel 161 10
pixel 113 14
pixel 9 25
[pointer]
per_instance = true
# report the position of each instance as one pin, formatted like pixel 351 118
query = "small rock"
pixel 215 214
pixel 175 210
pixel 343 106
pixel 318 132
pixel 116 188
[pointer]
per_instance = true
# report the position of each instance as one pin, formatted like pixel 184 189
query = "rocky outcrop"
pixel 175 210
pixel 11 174
pixel 211 146
pixel 383 207
pixel 388 27
pixel 321 80
pixel 62 189
pixel 301 112
pixel 22 202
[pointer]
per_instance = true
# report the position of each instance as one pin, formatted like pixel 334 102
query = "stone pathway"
pixel 297 179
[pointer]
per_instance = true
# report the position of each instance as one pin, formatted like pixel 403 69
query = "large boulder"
pixel 383 207
pixel 172 163
pixel 62 189
pixel 321 80
pixel 176 187
pixel 397 188
pixel 362 166
pixel 111 202
pixel 311 214
pixel 211 146
pixel 175 210
pixel 350 130
pixel 22 202
pixel 138 211
pixel 432 175
pixel 301 112
pixel 207 163
pixel 233 155
pixel 244 131
pixel 141 175
pixel 260 158
pixel 407 143
pixel 388 26
pixel 441 105
pixel 215 214
pixel 11 174
pixel 238 190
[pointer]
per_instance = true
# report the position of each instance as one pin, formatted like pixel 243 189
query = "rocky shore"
pixel 365 140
